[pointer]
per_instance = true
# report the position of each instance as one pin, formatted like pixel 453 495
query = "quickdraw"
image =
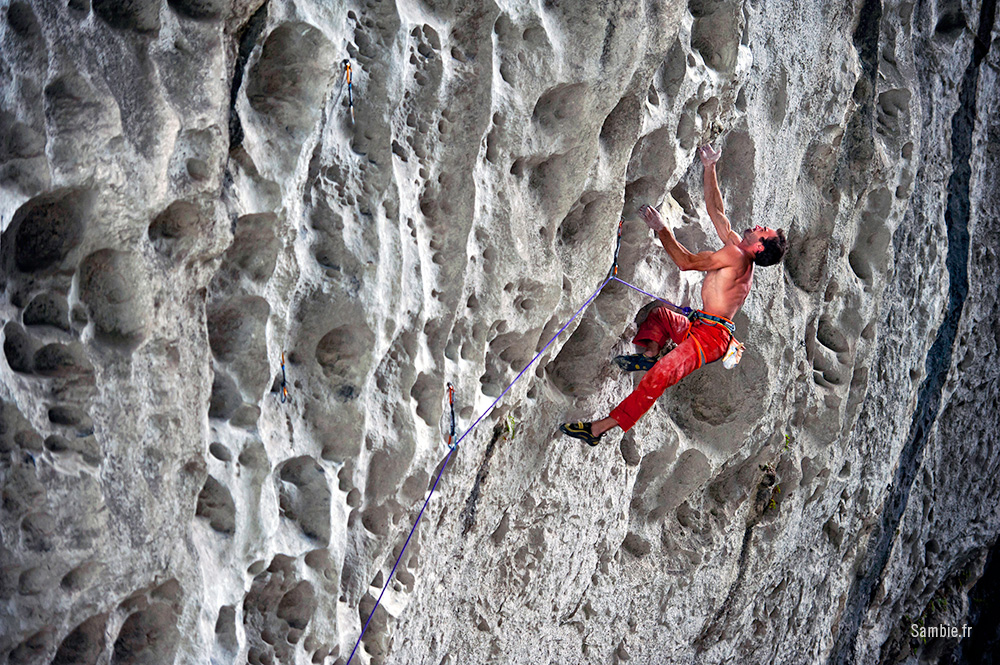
pixel 613 273
pixel 350 86
pixel 284 383
pixel 451 405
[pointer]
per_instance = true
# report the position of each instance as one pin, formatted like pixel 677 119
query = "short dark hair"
pixel 774 250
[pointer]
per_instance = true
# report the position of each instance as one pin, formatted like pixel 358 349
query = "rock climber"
pixel 704 336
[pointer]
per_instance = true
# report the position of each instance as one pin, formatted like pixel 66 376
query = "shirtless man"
pixel 704 337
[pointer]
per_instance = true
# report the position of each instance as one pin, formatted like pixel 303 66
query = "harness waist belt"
pixel 698 314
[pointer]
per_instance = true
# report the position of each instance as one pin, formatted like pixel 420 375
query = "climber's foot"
pixel 634 363
pixel 580 430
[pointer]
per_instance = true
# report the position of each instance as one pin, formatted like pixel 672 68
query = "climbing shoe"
pixel 580 431
pixel 634 363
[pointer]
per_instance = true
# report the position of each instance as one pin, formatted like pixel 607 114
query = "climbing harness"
pixel 350 86
pixel 735 350
pixel 451 404
pixel 284 383
pixel 612 275
pixel 720 320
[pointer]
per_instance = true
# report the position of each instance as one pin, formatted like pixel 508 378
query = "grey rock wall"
pixel 186 198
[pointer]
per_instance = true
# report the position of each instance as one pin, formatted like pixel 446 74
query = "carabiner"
pixel 284 383
pixel 451 404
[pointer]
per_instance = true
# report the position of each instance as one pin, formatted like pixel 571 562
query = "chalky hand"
pixel 653 218
pixel 709 155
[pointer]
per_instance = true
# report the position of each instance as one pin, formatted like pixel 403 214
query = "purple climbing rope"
pixel 452 449
pixel 677 308
pixel 612 275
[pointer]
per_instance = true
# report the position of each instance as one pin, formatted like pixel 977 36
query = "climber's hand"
pixel 709 155
pixel 653 218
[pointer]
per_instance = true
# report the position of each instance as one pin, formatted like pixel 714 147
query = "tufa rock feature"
pixel 48 227
pixel 148 637
pixel 236 336
pixel 142 16
pixel 225 398
pixel 304 497
pixel 215 504
pixel 23 164
pixel 85 644
pixel 47 309
pixel 81 120
pixel 113 289
pixel 202 10
pixel 291 77
pixel 276 610
pixel 254 251
pixel 18 348
pixel 172 231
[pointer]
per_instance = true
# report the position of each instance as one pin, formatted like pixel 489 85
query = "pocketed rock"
pixel 190 193
pixel 117 299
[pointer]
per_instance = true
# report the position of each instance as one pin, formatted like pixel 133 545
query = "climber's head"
pixel 768 246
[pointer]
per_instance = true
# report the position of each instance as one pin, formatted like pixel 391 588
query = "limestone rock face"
pixel 197 213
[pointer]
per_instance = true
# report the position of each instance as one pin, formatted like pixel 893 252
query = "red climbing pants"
pixel 698 343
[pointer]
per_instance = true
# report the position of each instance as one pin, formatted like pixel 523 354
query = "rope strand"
pixel 677 308
pixel 452 449
pixel 612 275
